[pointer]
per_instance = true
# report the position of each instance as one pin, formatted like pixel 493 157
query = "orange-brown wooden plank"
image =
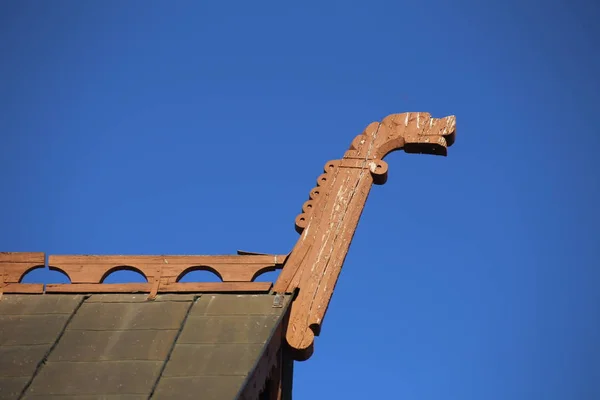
pixel 328 225
pixel 165 259
pixel 217 287
pixel 33 288
pixel 14 265
pixel 98 288
pixel 92 268
pixel 211 287
pixel 22 257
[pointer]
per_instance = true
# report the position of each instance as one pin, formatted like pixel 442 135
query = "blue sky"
pixel 200 127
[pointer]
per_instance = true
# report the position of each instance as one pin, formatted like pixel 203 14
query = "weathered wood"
pixel 21 257
pixel 164 270
pixel 87 272
pixel 218 287
pixel 189 287
pixel 13 266
pixel 329 218
pixel 327 224
pixel 25 288
pixel 98 288
pixel 167 259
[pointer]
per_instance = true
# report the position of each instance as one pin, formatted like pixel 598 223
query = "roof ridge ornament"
pixel 330 216
pixel 86 273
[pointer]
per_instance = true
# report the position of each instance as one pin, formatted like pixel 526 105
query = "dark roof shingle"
pixel 123 345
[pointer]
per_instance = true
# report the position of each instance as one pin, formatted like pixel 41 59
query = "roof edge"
pixel 269 359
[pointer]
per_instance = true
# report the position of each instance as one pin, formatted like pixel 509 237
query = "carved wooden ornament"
pixel 87 272
pixel 330 217
pixel 326 225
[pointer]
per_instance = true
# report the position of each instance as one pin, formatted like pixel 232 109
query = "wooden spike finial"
pixel 330 217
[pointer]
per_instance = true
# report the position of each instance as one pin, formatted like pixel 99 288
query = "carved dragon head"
pixel 422 133
pixel 330 216
pixel 413 132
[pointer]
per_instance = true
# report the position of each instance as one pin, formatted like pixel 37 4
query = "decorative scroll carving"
pixel 330 217
pixel 378 169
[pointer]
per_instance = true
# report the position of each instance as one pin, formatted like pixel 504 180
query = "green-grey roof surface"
pixel 122 346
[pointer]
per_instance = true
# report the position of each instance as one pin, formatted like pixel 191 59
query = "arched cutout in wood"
pixel 201 273
pixel 60 275
pixel 131 275
pixel 269 274
pixel 42 275
pixel 34 275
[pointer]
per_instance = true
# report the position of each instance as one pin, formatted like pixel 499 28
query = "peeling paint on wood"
pixel 327 225
pixel 329 218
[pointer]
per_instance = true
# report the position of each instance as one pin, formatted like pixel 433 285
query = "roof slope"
pixel 124 346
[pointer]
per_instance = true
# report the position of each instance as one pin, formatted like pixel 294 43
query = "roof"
pixel 222 346
pixel 230 345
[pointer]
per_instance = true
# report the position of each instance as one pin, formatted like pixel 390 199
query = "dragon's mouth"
pixel 434 149
pixel 434 141
pixel 434 145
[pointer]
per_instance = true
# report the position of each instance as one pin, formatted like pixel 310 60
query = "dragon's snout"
pixel 434 139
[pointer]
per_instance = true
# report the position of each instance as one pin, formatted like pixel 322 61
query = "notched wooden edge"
pixel 413 132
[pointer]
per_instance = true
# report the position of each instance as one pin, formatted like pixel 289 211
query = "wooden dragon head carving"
pixel 330 217
pixel 415 132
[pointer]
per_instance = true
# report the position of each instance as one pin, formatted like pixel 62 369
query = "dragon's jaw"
pixel 438 147
pixel 434 139
pixel 413 132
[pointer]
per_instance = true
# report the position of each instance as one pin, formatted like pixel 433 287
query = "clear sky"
pixel 174 127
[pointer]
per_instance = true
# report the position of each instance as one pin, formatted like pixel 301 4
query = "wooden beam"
pixel 13 266
pixel 25 288
pixel 167 268
pixel 188 287
pixel 330 217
